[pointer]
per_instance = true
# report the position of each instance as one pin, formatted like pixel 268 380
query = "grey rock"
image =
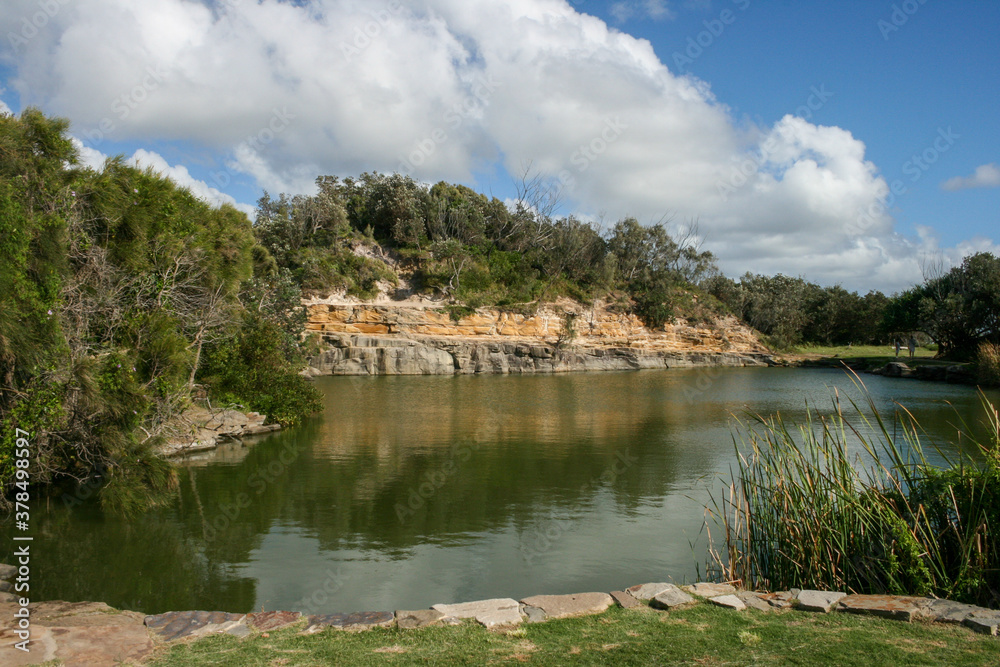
pixel 175 625
pixel 8 597
pixel 565 606
pixel 708 590
pixel 671 598
pixel 728 601
pixel 6 587
pixel 625 599
pixel 361 620
pixel 984 622
pixel 421 618
pixel 533 614
pixel 898 607
pixel 7 572
pixel 754 601
pixel 490 613
pixel 947 611
pixel 401 354
pixel 648 591
pixel 819 601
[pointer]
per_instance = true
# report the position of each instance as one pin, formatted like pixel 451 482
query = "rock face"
pixel 198 429
pixel 409 340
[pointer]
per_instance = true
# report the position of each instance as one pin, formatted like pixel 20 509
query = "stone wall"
pixel 381 339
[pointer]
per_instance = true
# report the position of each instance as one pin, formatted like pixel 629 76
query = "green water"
pixel 409 491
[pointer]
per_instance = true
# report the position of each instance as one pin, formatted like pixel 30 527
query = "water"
pixel 409 491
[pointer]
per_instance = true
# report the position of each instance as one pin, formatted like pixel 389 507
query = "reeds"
pixel 988 364
pixel 803 512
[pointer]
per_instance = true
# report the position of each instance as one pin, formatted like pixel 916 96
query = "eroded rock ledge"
pixel 412 340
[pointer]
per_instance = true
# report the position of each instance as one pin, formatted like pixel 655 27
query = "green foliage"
pixel 111 283
pixel 252 368
pixel 959 309
pixel 474 250
pixel 803 513
pixel 790 311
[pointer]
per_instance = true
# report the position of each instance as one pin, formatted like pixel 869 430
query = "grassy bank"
pixel 886 352
pixel 702 634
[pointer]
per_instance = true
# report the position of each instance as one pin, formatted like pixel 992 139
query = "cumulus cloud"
pixel 443 89
pixel 985 176
pixel 179 174
pixel 5 110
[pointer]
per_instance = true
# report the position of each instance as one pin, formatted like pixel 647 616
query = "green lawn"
pixel 700 635
pixel 856 351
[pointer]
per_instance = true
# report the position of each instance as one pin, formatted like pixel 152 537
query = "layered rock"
pixel 417 340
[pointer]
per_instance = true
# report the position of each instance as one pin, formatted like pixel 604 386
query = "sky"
pixel 851 142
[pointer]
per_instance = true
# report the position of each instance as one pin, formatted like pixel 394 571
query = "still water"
pixel 409 491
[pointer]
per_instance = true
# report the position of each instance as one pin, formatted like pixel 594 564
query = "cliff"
pixel 407 338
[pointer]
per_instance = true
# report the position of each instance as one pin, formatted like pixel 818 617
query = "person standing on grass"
pixel 897 348
pixel 912 346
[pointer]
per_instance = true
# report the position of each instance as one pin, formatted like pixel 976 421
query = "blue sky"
pixel 848 142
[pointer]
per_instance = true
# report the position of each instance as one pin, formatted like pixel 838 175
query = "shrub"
pixel 803 513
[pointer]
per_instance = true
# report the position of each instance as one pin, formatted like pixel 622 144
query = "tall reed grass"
pixel 802 511
pixel 988 364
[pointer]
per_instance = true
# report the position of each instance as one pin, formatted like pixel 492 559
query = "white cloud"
pixel 89 157
pixel 179 174
pixel 5 110
pixel 985 176
pixel 285 91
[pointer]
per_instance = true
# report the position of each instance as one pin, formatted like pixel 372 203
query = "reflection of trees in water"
pixel 148 565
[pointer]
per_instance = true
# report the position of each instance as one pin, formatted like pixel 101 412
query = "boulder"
pixel 820 601
pixel 176 625
pixel 670 598
pixel 361 620
pixel 490 613
pixel 625 599
pixel 648 591
pixel 898 607
pixel 565 606
pixel 421 618
pixel 728 601
pixel 707 590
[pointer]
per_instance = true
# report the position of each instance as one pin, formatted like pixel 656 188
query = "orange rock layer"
pixel 591 327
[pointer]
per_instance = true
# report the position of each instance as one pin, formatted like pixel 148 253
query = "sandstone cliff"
pixel 419 339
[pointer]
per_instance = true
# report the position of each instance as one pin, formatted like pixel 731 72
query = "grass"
pixel 886 352
pixel 802 512
pixel 988 364
pixel 700 635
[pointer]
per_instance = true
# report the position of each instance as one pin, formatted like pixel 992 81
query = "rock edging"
pixel 95 634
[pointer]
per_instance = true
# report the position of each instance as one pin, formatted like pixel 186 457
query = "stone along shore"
pixel 94 634
pixel 398 339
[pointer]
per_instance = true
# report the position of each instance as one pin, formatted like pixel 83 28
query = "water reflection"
pixel 412 491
